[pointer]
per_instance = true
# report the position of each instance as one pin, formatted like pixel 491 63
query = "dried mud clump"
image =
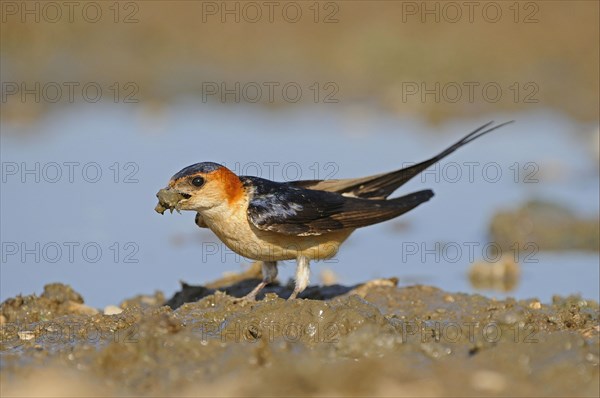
pixel 167 200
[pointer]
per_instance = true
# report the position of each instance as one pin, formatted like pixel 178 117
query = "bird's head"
pixel 203 186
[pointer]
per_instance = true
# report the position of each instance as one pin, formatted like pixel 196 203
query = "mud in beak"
pixel 169 199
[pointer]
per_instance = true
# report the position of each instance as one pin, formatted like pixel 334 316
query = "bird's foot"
pixel 246 299
pixel 293 296
pixel 302 274
pixel 251 297
pixel 269 271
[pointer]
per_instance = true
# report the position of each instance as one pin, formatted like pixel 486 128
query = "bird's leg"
pixel 302 276
pixel 269 273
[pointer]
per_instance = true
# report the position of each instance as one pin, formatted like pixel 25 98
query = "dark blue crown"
pixel 204 167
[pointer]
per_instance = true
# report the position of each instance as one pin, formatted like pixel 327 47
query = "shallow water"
pixel 142 251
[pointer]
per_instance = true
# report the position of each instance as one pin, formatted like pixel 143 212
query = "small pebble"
pixel 112 310
pixel 488 381
pixel 536 305
pixel 26 335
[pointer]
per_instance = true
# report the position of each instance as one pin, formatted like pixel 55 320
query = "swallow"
pixel 298 220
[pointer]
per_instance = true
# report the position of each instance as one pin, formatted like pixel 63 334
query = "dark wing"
pixel 283 208
pixel 381 186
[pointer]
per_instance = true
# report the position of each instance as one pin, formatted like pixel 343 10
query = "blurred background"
pixel 102 102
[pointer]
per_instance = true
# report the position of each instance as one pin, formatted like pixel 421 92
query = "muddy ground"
pixel 367 340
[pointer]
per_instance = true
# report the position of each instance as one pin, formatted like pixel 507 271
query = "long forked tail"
pixel 384 185
pixel 381 186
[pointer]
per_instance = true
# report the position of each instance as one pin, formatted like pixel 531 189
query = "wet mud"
pixel 167 200
pixel 371 339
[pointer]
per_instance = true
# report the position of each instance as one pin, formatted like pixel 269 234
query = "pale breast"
pixel 238 234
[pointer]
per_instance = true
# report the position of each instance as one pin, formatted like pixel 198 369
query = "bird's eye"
pixel 198 181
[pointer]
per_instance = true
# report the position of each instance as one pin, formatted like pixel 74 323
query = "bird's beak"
pixel 169 199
